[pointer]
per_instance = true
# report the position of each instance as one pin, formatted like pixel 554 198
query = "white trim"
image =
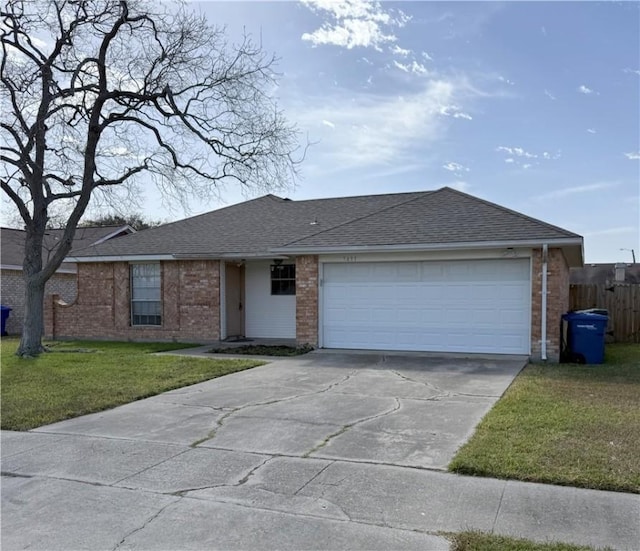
pixel 427 246
pixel 543 304
pixel 113 234
pixel 409 256
pixel 15 267
pixel 320 304
pixel 122 258
pixel 177 256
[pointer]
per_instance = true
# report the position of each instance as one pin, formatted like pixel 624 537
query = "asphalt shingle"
pixel 270 223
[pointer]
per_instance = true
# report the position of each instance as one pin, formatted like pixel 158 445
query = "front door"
pixel 234 299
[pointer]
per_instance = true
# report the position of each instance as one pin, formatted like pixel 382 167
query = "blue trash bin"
pixel 585 335
pixel 5 314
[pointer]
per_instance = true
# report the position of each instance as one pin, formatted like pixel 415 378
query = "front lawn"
pixel 82 377
pixel 566 424
pixel 478 541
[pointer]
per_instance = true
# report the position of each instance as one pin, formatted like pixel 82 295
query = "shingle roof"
pixel 270 223
pixel 445 216
pixel 254 226
pixel 12 241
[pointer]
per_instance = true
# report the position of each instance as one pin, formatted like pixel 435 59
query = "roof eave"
pixel 572 246
pixel 177 256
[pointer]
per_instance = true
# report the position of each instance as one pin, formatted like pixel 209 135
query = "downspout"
pixel 543 305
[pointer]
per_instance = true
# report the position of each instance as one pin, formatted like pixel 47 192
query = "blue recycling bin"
pixel 5 314
pixel 585 335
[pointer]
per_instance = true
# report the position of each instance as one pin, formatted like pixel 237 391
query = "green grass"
pixel 564 424
pixel 80 377
pixel 479 541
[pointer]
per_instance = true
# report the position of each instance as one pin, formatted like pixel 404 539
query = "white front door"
pixel 445 306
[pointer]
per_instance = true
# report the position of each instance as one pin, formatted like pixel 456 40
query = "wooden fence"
pixel 622 300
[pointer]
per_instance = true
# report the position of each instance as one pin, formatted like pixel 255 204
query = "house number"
pixel 349 258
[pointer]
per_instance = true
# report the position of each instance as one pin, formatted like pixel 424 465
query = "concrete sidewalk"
pixel 80 492
pixel 319 452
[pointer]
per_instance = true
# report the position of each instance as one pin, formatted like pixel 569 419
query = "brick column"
pixel 557 301
pixel 307 300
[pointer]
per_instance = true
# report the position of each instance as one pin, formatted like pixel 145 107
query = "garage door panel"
pixel 457 306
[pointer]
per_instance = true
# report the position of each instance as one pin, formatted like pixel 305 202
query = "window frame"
pixel 286 285
pixel 132 300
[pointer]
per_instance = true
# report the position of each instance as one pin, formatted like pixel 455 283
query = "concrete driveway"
pixel 327 450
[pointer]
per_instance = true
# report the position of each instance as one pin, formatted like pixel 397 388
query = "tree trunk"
pixel 33 327
pixel 34 283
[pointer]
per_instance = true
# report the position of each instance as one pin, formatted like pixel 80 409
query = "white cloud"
pixel 455 167
pixel 586 90
pixel 518 156
pixel 455 112
pixel 591 130
pixel 549 95
pixel 516 152
pixel 354 23
pixel 377 130
pixel 628 70
pixel 401 66
pixel 351 33
pixel 505 80
pixel 462 115
pixel 576 190
pixel 413 67
pixel 633 156
pixel 397 50
pixel 426 56
pixel 328 123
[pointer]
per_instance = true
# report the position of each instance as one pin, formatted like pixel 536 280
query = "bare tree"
pixel 98 93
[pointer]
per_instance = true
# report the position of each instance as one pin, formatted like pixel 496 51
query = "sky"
pixel 532 105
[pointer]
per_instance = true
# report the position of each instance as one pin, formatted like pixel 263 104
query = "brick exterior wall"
pixel 190 304
pixel 307 300
pixel 557 301
pixel 13 289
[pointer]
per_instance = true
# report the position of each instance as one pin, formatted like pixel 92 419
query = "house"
pixel 63 282
pixel 436 271
pixel 605 274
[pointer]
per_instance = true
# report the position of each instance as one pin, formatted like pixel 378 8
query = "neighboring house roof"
pixel 271 225
pixel 593 274
pixel 12 242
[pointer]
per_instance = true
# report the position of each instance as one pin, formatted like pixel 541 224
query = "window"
pixel 283 279
pixel 146 303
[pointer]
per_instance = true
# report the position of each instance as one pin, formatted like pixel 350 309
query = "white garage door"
pixel 452 306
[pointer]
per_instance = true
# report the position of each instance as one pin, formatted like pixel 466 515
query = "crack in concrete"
pixel 495 519
pixel 195 406
pixel 253 471
pixel 345 428
pixel 430 386
pixel 145 524
pixel 149 467
pixel 15 475
pixel 313 478
pixel 219 422
pixel 348 376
